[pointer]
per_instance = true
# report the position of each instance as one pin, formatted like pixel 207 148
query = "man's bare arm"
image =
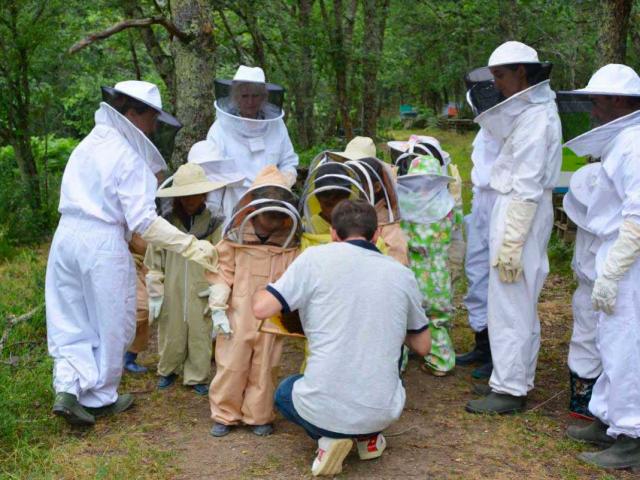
pixel 419 342
pixel 265 305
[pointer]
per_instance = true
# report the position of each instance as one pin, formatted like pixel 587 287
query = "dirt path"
pixel 434 438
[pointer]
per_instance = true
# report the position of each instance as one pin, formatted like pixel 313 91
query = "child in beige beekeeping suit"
pixel 173 285
pixel 260 241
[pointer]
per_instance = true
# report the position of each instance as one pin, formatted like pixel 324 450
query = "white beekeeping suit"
pixel 584 358
pixel 249 127
pixel 523 176
pixel 108 188
pixel 614 216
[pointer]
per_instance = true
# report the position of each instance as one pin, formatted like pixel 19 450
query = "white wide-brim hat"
pixel 145 92
pixel 190 179
pixel 613 79
pixel 512 52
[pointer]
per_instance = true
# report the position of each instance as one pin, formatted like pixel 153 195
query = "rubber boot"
pixel 483 371
pixel 124 402
pixel 481 352
pixel 595 433
pixel 66 405
pixel 499 403
pixel 624 453
pixel 581 389
pixel 130 364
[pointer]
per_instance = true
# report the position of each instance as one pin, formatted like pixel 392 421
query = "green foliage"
pixel 19 222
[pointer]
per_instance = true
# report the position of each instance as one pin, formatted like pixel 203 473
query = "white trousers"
pixel 584 357
pixel 616 394
pixel 477 262
pixel 90 306
pixel 514 327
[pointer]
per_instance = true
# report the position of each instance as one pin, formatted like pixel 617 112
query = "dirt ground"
pixel 435 437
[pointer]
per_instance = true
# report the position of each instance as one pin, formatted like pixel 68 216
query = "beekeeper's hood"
pixel 583 132
pixel 330 178
pixel 482 95
pixel 576 200
pixel 247 102
pixel 153 147
pixel 217 168
pixel 270 198
pixel 423 195
pixel 403 152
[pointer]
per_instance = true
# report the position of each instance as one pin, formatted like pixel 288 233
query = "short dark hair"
pixel 354 218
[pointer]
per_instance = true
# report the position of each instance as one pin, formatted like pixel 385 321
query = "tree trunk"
pixel 195 71
pixel 162 62
pixel 26 164
pixel 374 20
pixel 614 21
pixel 303 88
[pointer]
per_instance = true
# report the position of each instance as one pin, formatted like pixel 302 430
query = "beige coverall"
pixel 393 235
pixel 184 330
pixel 246 362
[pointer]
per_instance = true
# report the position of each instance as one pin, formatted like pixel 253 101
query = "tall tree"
pixel 191 68
pixel 374 18
pixel 614 27
pixel 27 37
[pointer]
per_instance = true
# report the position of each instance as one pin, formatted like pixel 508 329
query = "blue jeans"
pixel 284 404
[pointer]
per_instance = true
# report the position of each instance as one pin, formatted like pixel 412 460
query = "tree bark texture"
pixel 302 90
pixel 374 18
pixel 195 71
pixel 614 27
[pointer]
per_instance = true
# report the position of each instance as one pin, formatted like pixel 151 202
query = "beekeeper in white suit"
pixel 614 216
pixel 523 175
pixel 481 96
pixel 249 128
pixel 108 189
pixel 584 358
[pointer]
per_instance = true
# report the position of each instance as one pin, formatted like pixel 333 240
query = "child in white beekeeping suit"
pixel 173 284
pixel 584 358
pixel 260 240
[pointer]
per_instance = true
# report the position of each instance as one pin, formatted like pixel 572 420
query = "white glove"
pixel 155 305
pixel 218 294
pixel 221 324
pixel 455 188
pixel 517 224
pixel 164 235
pixel 154 280
pixel 621 256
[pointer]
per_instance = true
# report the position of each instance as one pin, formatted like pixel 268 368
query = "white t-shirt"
pixel 356 307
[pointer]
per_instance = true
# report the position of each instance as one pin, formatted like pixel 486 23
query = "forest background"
pixel 347 66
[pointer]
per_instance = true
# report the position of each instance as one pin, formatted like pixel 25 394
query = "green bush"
pixel 20 223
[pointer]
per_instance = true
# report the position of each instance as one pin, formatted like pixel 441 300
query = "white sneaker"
pixel 371 447
pixel 331 453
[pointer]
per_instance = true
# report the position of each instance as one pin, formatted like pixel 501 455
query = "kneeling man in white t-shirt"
pixel 357 308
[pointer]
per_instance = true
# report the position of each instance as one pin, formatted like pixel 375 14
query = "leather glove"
pixel 518 221
pixel 154 280
pixel 155 305
pixel 290 178
pixel 164 235
pixel 221 324
pixel 622 254
pixel 455 188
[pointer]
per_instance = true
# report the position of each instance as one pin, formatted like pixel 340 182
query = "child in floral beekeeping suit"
pixel 428 214
pixel 260 241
